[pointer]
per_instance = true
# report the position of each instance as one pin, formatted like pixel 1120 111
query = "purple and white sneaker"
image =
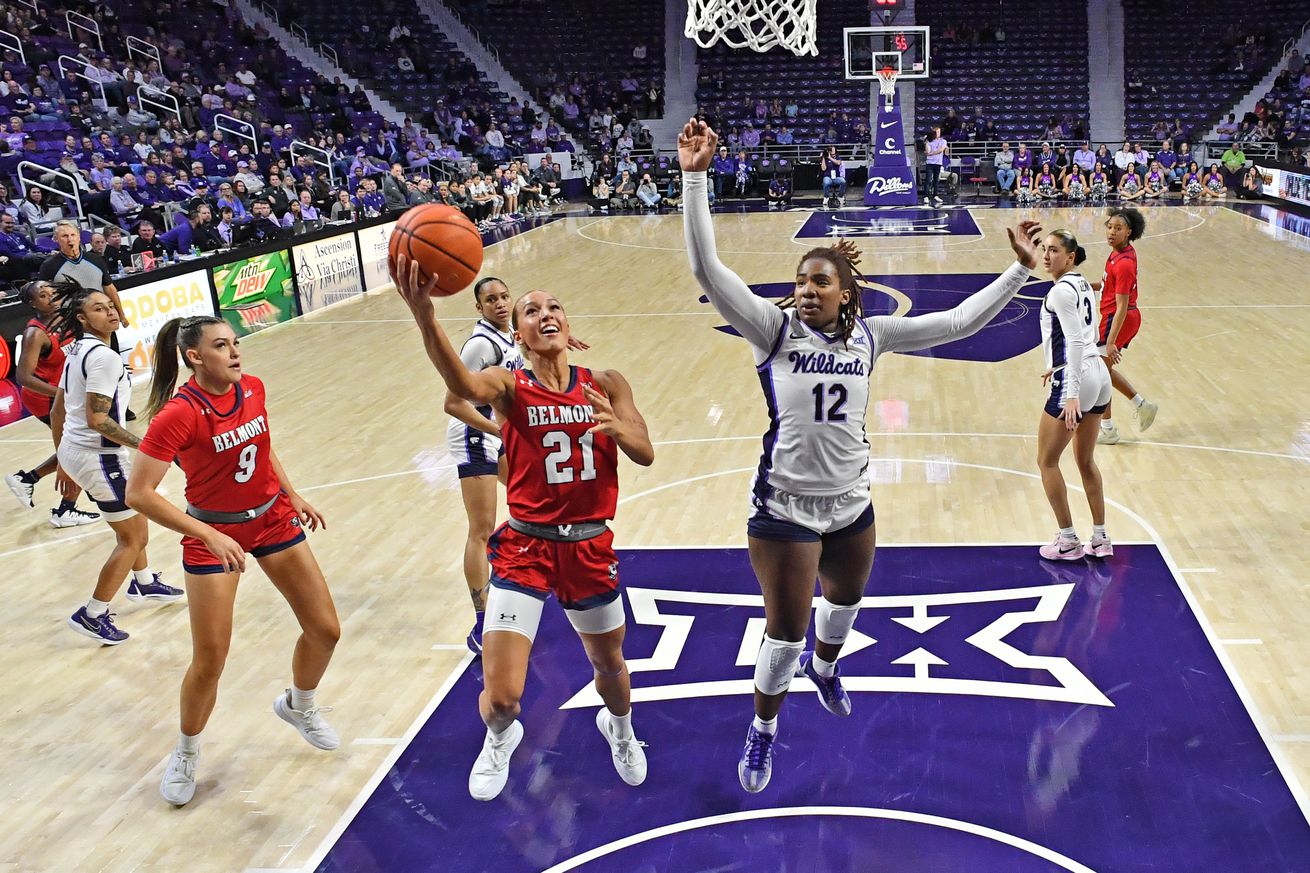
pixel 101 629
pixel 756 764
pixel 1098 547
pixel 1062 550
pixel 833 697
pixel 155 589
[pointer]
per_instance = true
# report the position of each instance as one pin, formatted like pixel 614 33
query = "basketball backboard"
pixel 867 48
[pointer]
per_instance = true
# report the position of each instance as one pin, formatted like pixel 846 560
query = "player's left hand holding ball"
pixel 405 273
pixel 309 516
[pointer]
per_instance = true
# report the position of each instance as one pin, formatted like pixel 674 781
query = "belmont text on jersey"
pixel 237 436
pixel 543 416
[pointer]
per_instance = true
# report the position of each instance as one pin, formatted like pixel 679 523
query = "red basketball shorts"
pixel 1132 324
pixel 581 575
pixel 277 529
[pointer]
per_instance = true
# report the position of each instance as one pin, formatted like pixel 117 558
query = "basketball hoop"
pixel 755 24
pixel 887 77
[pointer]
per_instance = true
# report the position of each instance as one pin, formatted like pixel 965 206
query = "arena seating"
pixel 1039 71
pixel 818 85
pixel 1192 74
pixel 592 42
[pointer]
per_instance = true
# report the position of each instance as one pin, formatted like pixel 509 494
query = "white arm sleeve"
pixel 758 320
pixel 1062 300
pixel 911 333
pixel 104 368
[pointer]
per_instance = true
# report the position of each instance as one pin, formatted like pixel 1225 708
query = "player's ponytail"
pixel 1080 255
pixel 174 339
pixel 844 256
pixel 69 299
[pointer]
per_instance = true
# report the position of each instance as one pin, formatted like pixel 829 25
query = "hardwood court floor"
pixel 356 415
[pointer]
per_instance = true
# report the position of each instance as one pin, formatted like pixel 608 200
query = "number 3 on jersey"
pixel 246 463
pixel 563 454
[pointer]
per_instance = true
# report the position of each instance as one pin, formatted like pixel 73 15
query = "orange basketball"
pixel 443 242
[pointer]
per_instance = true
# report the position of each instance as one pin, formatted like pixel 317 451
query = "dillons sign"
pixel 886 185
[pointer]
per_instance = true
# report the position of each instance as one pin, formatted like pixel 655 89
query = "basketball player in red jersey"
pixel 1120 317
pixel 39 369
pixel 239 500
pixel 562 427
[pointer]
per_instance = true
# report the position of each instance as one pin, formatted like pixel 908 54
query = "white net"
pixel 755 24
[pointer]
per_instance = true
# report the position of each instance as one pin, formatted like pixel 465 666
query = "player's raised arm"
pixel 490 385
pixel 925 331
pixel 755 319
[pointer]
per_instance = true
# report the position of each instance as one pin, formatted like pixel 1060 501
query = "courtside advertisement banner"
pixel 1285 184
pixel 373 255
pixel 257 292
pixel 148 306
pixel 327 272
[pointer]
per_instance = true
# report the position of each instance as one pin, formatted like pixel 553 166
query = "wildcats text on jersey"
pixel 232 438
pixel 543 416
pixel 824 363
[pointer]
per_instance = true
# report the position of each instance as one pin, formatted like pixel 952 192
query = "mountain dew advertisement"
pixel 257 292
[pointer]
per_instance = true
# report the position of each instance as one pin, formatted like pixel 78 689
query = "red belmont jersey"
pixel 222 443
pixel 48 369
pixel 558 473
pixel 1120 278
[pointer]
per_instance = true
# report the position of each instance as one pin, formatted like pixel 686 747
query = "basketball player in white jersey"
pixel 473 437
pixel 1080 392
pixel 811 510
pixel 94 450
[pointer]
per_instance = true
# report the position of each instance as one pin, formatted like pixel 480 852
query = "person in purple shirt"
pixel 725 170
pixel 217 167
pixel 102 177
pixel 1085 158
pixel 1023 159
pixel 17 259
pixel 1168 160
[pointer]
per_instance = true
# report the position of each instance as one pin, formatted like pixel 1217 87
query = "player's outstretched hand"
pixel 309 516
pixel 227 550
pixel 602 412
pixel 696 146
pixel 404 272
pixel 579 345
pixel 1025 239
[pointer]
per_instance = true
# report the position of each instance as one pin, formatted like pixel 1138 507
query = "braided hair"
pixel 844 257
pixel 69 299
pixel 177 335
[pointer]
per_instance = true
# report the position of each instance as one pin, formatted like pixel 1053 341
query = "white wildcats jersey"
pixel 487 347
pixel 816 389
pixel 92 366
pixel 1070 305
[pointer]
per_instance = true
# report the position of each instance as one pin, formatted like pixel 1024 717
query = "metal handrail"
pixel 300 33
pixel 24 182
pixel 329 53
pixel 150 95
pixel 16 47
pixel 491 49
pixel 240 128
pixel 270 10
pixel 80 73
pixel 150 50
pixel 1252 150
pixel 312 151
pixel 93 27
pixel 31 4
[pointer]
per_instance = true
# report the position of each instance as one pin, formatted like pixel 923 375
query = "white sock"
pixel 622 725
pixel 97 608
pixel 1098 530
pixel 1138 400
pixel 144 577
pixel 188 744
pixel 1106 423
pixel 766 727
pixel 1068 533
pixel 497 736
pixel 302 701
pixel 822 667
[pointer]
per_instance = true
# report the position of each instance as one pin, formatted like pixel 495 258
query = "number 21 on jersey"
pixel 560 463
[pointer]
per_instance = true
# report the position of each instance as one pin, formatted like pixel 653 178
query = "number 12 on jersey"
pixel 837 391
pixel 556 474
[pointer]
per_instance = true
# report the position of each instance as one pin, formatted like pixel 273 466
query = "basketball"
pixel 445 244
